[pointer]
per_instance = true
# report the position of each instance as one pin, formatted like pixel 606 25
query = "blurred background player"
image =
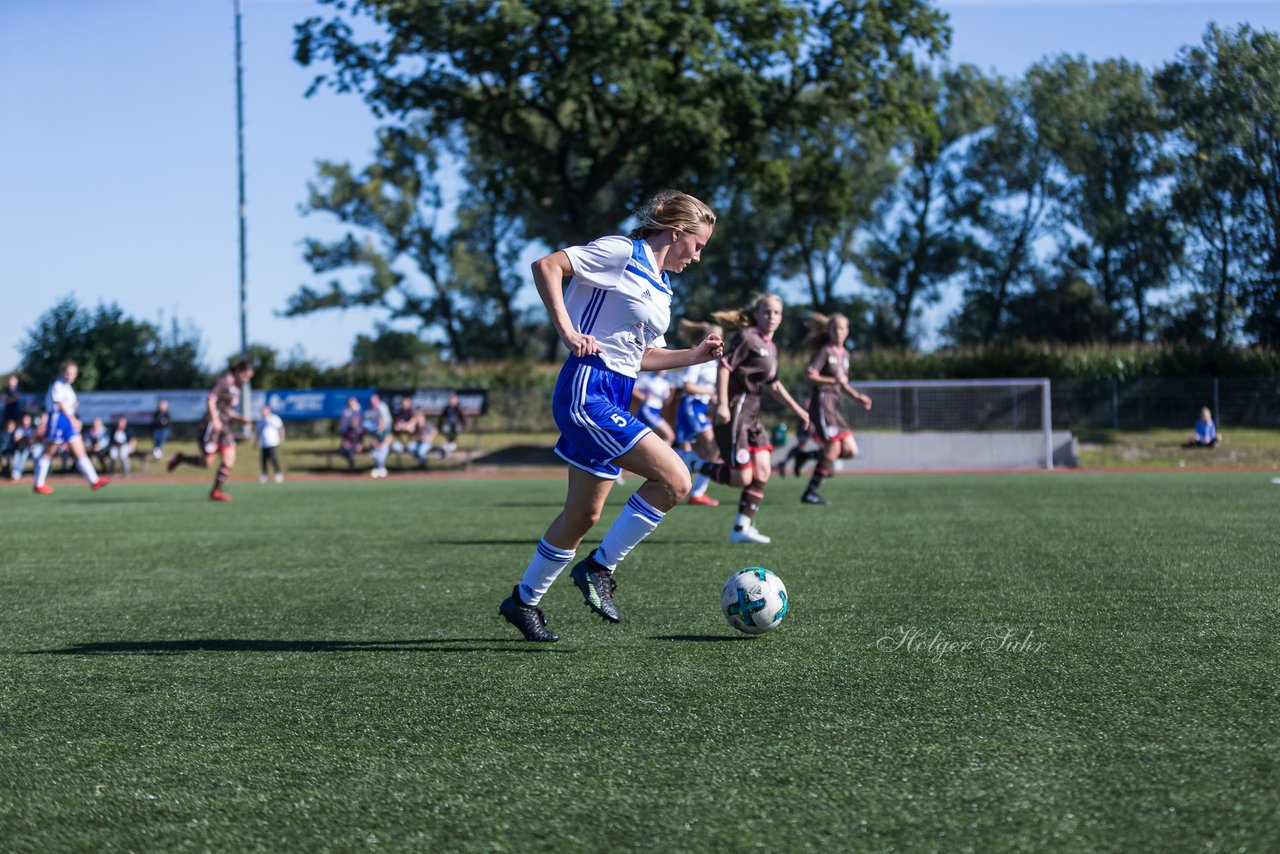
pixel 61 427
pixel 269 433
pixel 694 434
pixel 216 436
pixel 750 364
pixel 828 377
pixel 653 390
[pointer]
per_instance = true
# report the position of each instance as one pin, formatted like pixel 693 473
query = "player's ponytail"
pixel 693 332
pixel 741 318
pixel 820 328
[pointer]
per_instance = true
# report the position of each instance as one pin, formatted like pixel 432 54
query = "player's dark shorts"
pixel 214 441
pixel 743 436
pixel 825 420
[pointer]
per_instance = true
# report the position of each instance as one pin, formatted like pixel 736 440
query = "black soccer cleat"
pixel 813 498
pixel 597 585
pixel 529 619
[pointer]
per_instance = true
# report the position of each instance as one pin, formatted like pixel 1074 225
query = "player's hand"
pixel 722 413
pixel 216 424
pixel 710 348
pixel 804 421
pixel 866 402
pixel 579 344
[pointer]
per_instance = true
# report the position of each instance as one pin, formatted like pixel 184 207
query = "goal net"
pixel 955 424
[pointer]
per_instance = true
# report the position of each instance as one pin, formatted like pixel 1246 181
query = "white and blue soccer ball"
pixel 754 600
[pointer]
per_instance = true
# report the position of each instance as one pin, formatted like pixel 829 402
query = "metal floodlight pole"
pixel 247 389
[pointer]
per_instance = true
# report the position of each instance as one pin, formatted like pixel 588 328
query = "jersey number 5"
pixel 618 419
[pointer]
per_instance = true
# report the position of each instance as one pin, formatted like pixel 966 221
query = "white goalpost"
pixel 957 424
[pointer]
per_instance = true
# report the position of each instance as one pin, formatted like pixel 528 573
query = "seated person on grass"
pixel 1206 433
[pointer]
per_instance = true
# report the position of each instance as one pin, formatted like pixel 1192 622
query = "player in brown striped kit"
pixel 828 376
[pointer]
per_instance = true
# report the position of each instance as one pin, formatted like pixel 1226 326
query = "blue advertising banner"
pixel 137 406
pixel 309 404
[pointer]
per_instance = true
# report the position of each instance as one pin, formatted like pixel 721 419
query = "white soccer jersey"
pixel 656 389
pixel 60 392
pixel 701 375
pixel 619 296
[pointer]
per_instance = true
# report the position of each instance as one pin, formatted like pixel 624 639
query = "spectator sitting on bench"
pixel 350 432
pixel 451 422
pixel 422 437
pixel 122 445
pixel 1206 433
pixel 97 442
pixel 25 446
pixel 8 444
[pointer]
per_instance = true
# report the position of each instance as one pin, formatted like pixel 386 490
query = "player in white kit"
pixel 62 427
pixel 612 318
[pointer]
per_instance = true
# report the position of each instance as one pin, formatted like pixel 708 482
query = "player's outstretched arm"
pixel 660 359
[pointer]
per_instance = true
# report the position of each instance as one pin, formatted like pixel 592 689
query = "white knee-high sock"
pixel 42 469
pixel 548 562
pixel 86 468
pixel 638 520
pixel 700 484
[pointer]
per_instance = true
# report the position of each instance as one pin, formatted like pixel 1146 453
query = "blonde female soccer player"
pixel 62 427
pixel 612 318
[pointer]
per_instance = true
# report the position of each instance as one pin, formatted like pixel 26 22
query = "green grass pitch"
pixel 320 666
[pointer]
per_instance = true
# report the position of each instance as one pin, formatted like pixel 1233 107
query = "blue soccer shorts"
pixel 60 429
pixel 691 419
pixel 591 407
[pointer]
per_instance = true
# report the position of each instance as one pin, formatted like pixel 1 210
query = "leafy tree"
pixel 114 351
pixel 1102 122
pixel 1222 99
pixel 389 347
pixel 564 116
pixel 920 245
pixel 1009 199
pixel 592 105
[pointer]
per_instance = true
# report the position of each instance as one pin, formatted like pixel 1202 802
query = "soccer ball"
pixel 754 600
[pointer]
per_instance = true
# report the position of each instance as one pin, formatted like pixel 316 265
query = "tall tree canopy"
pixel 113 350
pixel 1223 102
pixel 564 116
pixel 593 105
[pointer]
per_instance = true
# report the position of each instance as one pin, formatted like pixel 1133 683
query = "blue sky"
pixel 118 158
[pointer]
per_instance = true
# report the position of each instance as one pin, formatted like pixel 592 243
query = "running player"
pixel 828 376
pixel 612 318
pixel 653 391
pixel 62 427
pixel 694 434
pixel 750 364
pixel 216 437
